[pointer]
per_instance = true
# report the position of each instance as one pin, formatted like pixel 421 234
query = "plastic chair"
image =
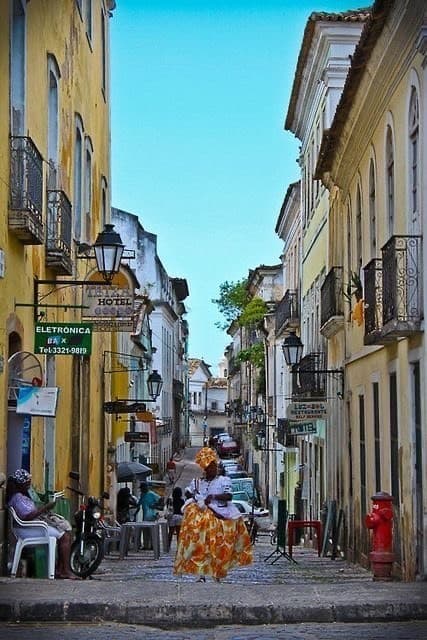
pixel 42 538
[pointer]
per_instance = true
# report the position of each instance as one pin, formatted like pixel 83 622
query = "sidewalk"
pixel 140 590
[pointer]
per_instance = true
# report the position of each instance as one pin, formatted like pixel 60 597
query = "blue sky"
pixel 200 91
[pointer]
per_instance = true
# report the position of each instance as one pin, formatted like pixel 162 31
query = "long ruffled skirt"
pixel 210 546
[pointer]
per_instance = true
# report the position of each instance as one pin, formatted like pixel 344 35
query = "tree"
pixel 233 297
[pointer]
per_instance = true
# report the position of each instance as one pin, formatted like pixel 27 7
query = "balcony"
pixel 393 291
pixel 402 286
pixel 331 303
pixel 287 312
pixel 58 235
pixel 373 296
pixel 307 381
pixel 26 191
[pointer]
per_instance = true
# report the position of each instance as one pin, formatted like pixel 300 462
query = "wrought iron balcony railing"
pixel 393 291
pixel 402 285
pixel 58 233
pixel 331 302
pixel 287 312
pixel 26 191
pixel 373 296
pixel 308 377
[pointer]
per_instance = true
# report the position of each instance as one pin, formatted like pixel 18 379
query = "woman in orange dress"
pixel 213 536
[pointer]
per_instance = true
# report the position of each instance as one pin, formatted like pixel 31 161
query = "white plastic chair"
pixel 42 538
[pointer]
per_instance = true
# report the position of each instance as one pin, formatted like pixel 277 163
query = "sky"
pixel 200 91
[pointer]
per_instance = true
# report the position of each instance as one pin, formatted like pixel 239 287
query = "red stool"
pixel 297 524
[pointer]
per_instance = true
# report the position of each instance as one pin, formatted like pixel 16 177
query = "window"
pixel 103 54
pixel 358 229
pixel 17 68
pixel 394 438
pixel 390 180
pixel 372 211
pixel 214 405
pixel 53 122
pixel 362 454
pixel 78 178
pixel 88 187
pixel 414 160
pixel 375 393
pixel 349 251
pixel 104 201
pixel 88 19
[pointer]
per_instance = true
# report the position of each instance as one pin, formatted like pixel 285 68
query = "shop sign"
pixel 302 428
pixel 302 411
pixel 63 339
pixel 37 401
pixel 137 436
pixel 109 307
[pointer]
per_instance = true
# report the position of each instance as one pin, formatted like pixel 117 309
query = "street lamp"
pixel 108 250
pixel 154 384
pixel 292 349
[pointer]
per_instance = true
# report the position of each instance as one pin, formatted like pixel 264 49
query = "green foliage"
pixel 253 354
pixel 233 297
pixel 354 287
pixel 253 313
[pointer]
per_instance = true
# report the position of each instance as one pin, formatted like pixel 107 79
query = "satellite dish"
pixel 25 370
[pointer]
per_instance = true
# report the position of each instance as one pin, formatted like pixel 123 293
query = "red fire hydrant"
pixel 381 523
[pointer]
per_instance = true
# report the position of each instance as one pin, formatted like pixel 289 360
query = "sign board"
pixel 37 401
pixel 123 406
pixel 109 307
pixel 63 338
pixel 136 436
pixel 302 411
pixel 302 428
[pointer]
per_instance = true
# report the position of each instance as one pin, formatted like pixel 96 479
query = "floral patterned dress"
pixel 211 544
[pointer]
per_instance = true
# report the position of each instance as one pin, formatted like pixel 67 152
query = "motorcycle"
pixel 87 549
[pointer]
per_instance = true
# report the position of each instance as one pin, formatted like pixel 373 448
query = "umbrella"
pixel 127 471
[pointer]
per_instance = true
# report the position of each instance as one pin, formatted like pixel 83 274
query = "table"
pixel 127 528
pixel 298 524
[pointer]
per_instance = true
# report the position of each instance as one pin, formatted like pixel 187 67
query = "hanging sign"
pixel 63 338
pixel 109 307
pixel 302 428
pixel 302 411
pixel 37 401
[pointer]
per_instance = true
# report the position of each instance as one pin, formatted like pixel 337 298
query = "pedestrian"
pixel 125 500
pixel 150 503
pixel 175 515
pixel 171 470
pixel 213 536
pixel 18 497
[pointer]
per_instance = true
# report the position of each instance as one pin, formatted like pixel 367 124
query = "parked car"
pixel 228 448
pixel 241 495
pixel 246 507
pixel 236 475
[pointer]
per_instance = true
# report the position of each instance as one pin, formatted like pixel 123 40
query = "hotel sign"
pixel 63 339
pixel 109 307
pixel 302 411
pixel 302 428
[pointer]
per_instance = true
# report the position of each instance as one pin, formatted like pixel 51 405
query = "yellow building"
pixel 372 161
pixel 54 197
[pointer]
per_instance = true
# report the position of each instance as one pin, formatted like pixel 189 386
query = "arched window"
pixel 53 121
pixel 389 152
pixel 414 164
pixel 78 177
pixel 104 202
pixel 17 68
pixel 372 211
pixel 88 151
pixel 359 256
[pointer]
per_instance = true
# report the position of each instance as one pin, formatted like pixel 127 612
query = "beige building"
pixel 373 162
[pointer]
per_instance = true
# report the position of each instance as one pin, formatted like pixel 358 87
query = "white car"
pixel 246 508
